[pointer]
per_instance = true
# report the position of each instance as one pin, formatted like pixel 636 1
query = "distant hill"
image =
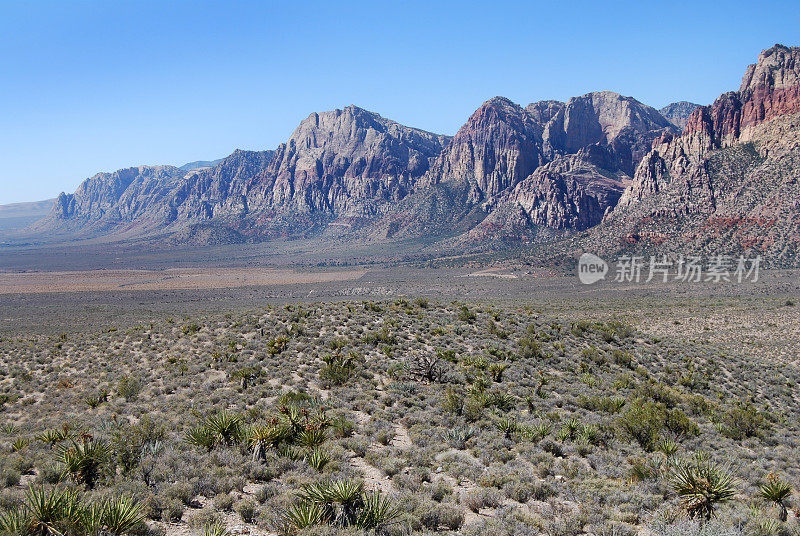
pixel 17 216
pixel 198 164
pixel 678 113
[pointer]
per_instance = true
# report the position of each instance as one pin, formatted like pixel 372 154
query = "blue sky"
pixel 98 86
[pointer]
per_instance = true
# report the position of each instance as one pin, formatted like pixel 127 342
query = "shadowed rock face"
pixel 552 164
pixel 499 145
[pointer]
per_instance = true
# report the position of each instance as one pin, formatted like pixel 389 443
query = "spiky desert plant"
pixel 776 491
pixel 215 529
pixel 542 430
pixel 376 512
pixel 84 461
pixel 503 401
pixel 14 522
pixel 458 436
pixel 312 437
pixel 702 484
pixel 226 426
pixel 590 433
pixel 120 515
pixel 263 437
pixel 571 429
pixel 346 498
pixel 496 371
pixel 302 515
pixel 508 426
pixel 667 447
pixel 45 513
pixel 317 458
pixel 341 499
pixel 201 436
pixel 20 443
pixel 54 437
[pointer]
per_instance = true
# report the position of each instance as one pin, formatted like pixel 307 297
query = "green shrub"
pixel 643 422
pixel 744 421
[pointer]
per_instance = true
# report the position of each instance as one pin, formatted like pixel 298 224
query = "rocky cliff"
pixel 729 182
pixel 343 163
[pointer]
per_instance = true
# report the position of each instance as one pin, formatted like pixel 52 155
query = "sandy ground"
pixel 171 279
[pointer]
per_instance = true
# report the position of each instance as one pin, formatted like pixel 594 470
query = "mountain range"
pixel 601 170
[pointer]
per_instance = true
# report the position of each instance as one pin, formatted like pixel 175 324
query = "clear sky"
pixel 97 86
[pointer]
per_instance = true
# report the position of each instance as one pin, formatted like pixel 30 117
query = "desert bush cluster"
pixel 393 417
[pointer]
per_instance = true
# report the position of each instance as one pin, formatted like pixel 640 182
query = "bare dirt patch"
pixel 171 279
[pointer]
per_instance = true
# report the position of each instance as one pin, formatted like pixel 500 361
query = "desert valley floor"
pixel 499 398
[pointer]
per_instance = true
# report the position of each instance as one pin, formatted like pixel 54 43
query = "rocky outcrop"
pixel 678 113
pixel 769 89
pixel 499 145
pixel 349 163
pixel 728 182
pixel 97 197
pixel 552 164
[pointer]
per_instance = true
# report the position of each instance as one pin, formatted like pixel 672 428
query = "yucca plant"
pixel 346 496
pixel 226 426
pixel 263 437
pixel 84 461
pixel 702 484
pixel 45 513
pixel 376 512
pixel 317 458
pixel 215 529
pixel 496 371
pixel 542 430
pixel 303 515
pixel 19 444
pixel 15 522
pixel 570 429
pixel 590 434
pixel 288 451
pixel 117 516
pixel 201 436
pixel 503 401
pixel 457 437
pixel 8 428
pixel 54 437
pixel 312 437
pixel 776 491
pixel 508 426
pixel 667 447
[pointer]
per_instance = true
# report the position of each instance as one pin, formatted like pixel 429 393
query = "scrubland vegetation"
pixel 393 417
